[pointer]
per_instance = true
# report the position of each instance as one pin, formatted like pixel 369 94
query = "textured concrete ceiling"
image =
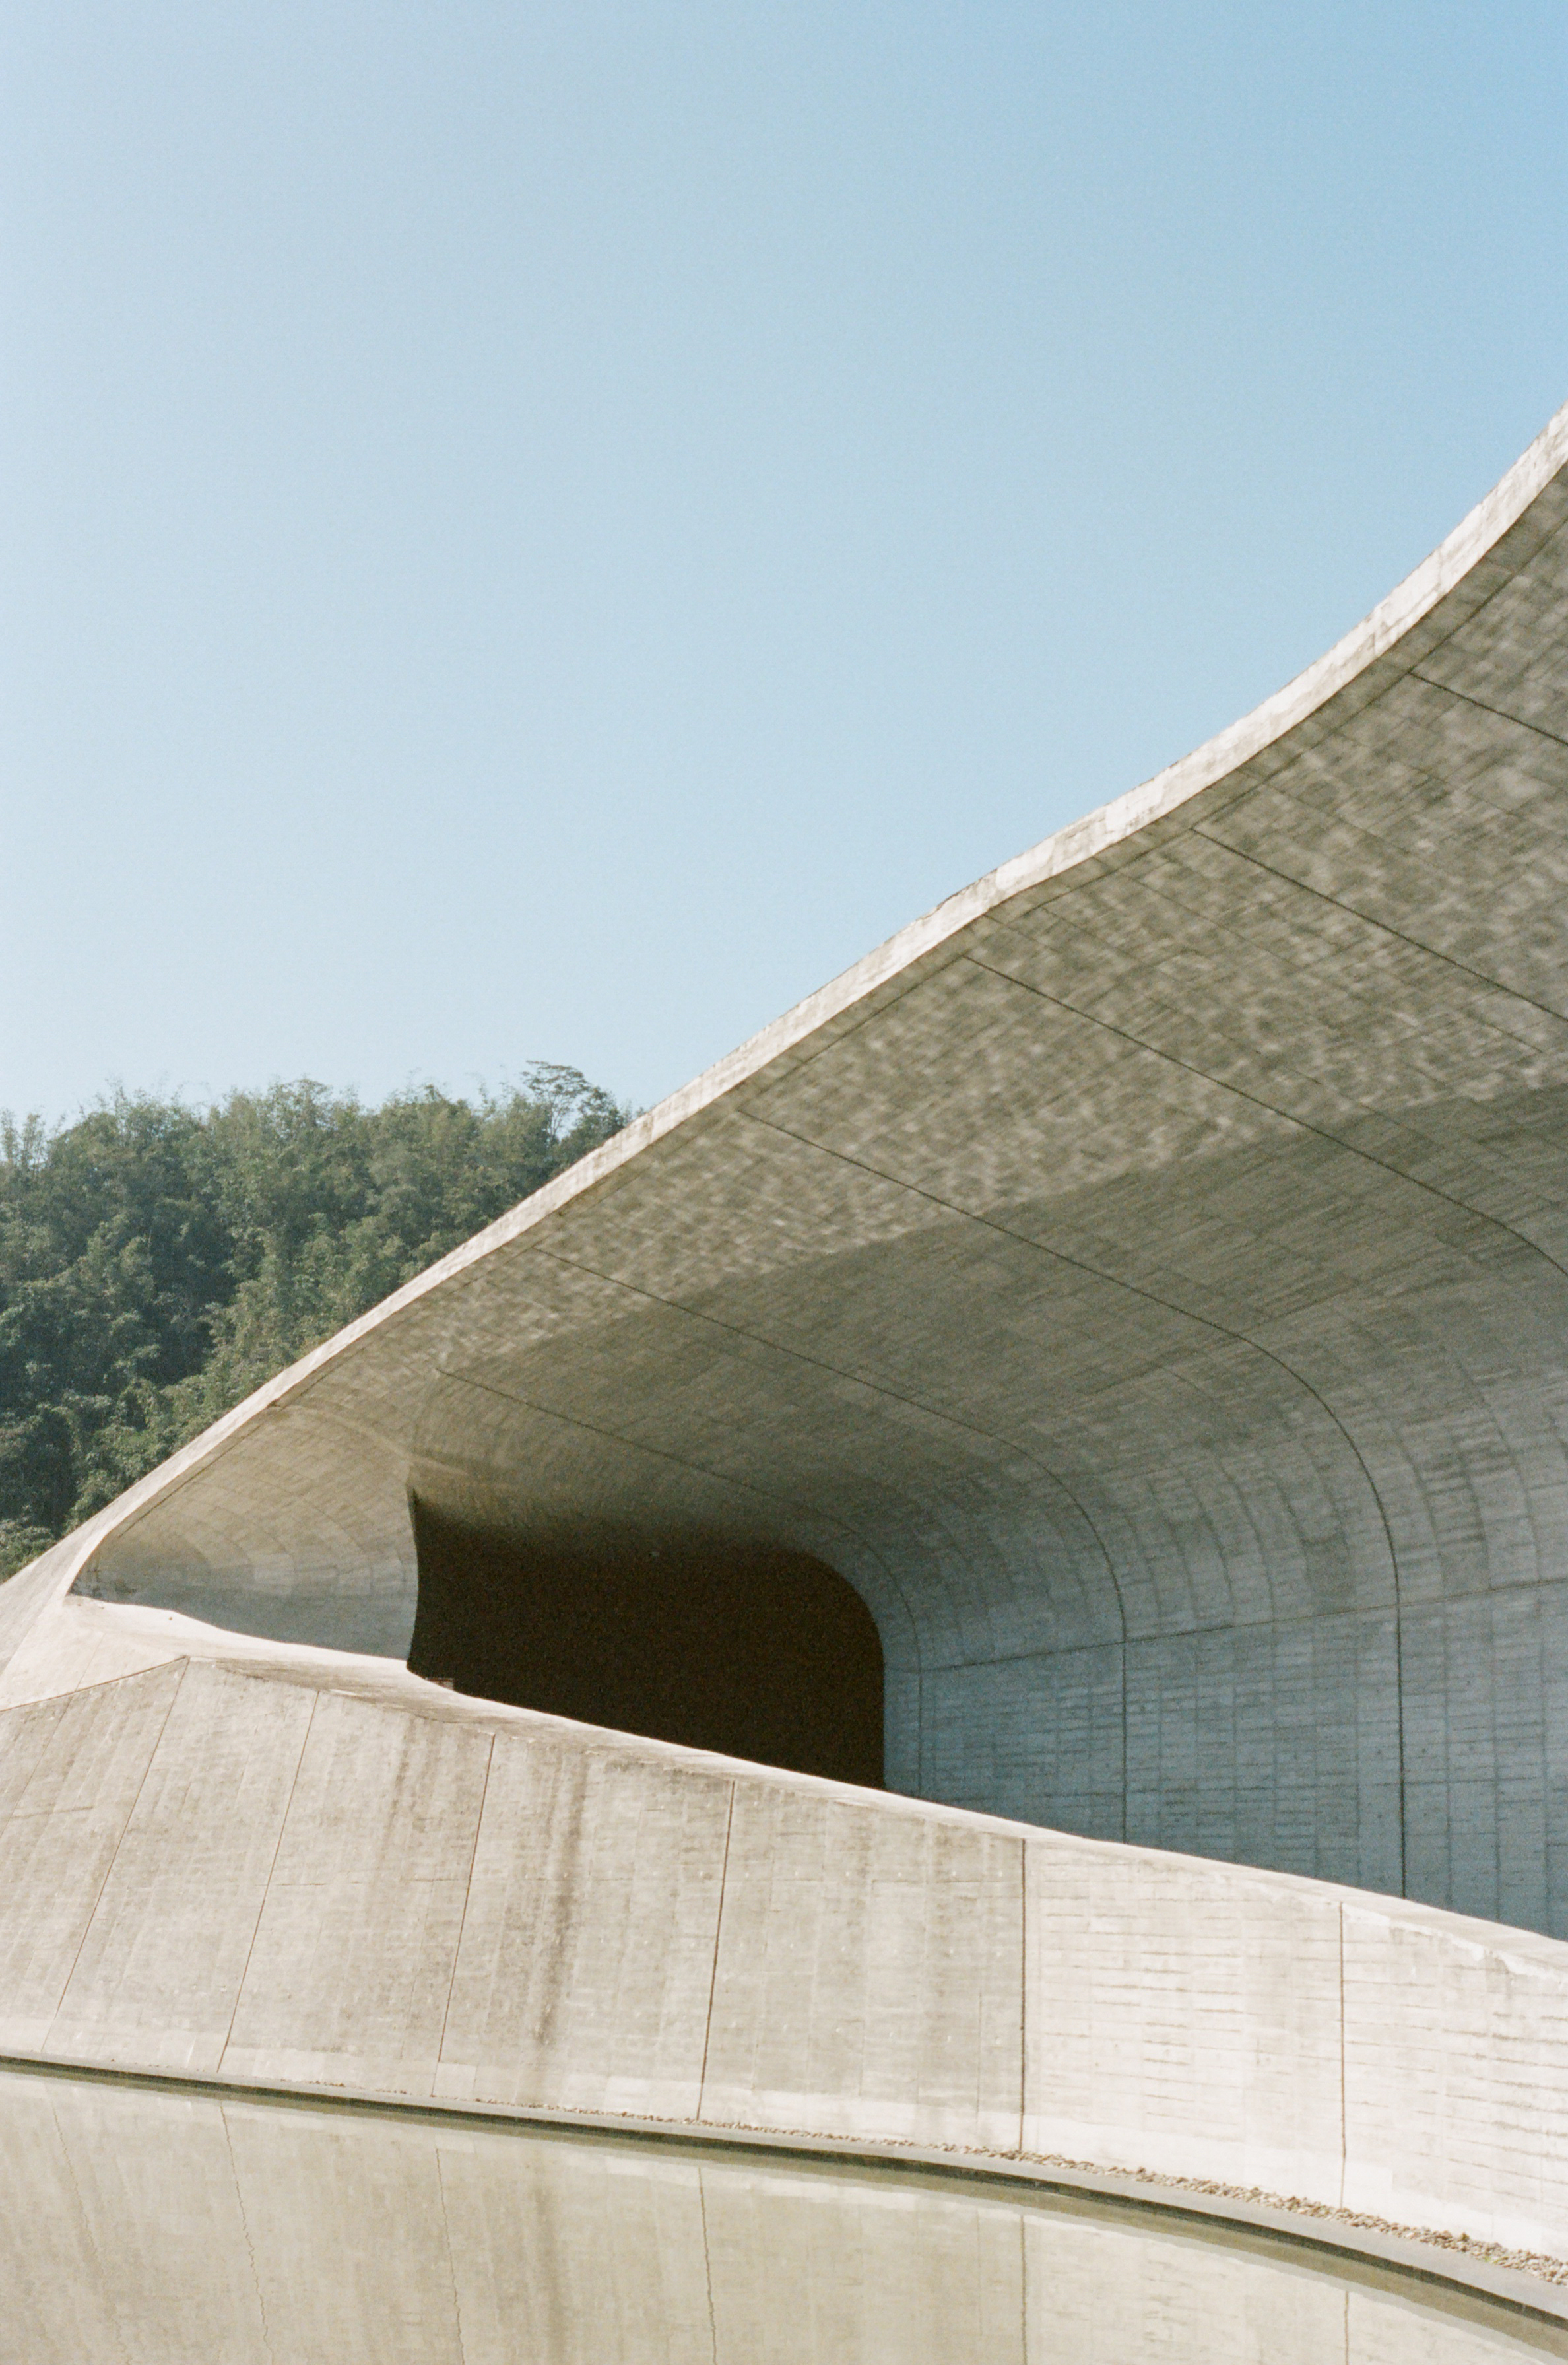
pixel 1146 1279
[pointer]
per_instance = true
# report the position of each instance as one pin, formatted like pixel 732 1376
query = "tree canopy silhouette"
pixel 157 1261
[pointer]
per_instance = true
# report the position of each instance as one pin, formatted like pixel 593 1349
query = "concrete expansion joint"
pixel 1521 721
pixel 1420 945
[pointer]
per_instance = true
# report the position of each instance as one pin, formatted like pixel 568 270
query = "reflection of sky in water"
pixel 150 2228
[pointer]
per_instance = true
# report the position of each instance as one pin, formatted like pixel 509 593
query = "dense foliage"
pixel 157 1261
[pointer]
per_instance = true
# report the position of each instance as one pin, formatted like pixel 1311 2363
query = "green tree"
pixel 158 1262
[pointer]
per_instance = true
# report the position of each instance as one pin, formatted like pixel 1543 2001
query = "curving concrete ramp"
pixel 1143 1285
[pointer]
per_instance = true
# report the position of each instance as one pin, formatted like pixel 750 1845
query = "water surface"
pixel 148 2226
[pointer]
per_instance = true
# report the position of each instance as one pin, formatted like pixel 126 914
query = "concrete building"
pixel 1103 1362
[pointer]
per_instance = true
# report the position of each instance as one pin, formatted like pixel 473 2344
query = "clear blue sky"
pixel 546 531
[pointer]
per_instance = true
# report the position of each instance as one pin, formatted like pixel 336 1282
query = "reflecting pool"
pixel 146 2226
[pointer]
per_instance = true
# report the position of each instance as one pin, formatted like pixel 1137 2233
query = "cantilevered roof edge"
pixel 1110 825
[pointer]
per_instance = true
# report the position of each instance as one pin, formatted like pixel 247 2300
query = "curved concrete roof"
pixel 1145 1279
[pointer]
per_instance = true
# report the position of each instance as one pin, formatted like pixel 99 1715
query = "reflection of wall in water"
pixel 155 2228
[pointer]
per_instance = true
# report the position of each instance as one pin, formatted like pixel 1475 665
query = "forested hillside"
pixel 159 1261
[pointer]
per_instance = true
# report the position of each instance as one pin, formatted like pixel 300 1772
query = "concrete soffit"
pixel 1405 627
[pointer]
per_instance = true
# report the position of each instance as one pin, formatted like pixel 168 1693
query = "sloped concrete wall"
pixel 260 1875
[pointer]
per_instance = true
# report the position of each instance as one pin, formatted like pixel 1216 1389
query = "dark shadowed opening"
pixel 748 1649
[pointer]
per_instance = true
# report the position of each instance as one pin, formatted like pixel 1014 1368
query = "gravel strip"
pixel 1530 2262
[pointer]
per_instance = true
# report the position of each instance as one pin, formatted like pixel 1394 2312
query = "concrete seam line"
pixel 451 2261
pixel 707 2267
pixel 185 1667
pixel 1344 2109
pixel 267 1884
pixel 718 1938
pixel 1468 698
pixel 463 1917
pixel 245 2229
pixel 1024 1971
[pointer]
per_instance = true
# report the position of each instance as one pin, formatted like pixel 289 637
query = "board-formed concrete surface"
pixel 1146 1283
pixel 285 1869
pixel 1146 1280
pixel 147 2228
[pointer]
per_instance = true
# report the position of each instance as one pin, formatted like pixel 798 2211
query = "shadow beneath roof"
pixel 748 1649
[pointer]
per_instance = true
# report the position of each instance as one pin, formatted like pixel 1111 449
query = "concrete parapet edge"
pixel 1412 2251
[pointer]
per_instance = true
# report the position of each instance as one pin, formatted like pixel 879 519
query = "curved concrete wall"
pixel 316 1871
pixel 1146 1280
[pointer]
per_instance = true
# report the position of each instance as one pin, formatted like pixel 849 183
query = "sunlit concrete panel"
pixel 350 1967
pixel 868 1974
pixel 623 1860
pixel 155 1979
pixel 321 1873
pixel 73 1770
